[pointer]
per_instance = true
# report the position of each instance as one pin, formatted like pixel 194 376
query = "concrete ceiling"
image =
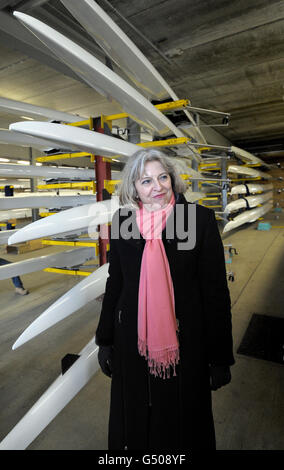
pixel 225 56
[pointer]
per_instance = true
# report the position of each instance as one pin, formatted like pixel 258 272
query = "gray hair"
pixel 134 169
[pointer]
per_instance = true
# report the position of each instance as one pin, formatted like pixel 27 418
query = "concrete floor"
pixel 249 412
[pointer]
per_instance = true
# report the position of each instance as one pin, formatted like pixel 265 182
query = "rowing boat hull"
pixel 56 397
pixel 84 292
pixel 65 259
pixel 50 201
pixel 85 217
pixel 122 51
pixel 5 216
pixel 77 138
pixel 36 112
pixel 249 201
pixel 33 171
pixel 23 140
pixel 247 216
pixel 247 157
pixel 250 188
pixel 100 77
pixel 249 172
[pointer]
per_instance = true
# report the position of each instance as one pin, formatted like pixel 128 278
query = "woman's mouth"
pixel 159 196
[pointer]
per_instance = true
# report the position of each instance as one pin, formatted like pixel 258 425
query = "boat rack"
pixel 102 168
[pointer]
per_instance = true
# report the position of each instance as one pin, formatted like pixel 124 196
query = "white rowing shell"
pixel 192 196
pixel 15 214
pixel 31 171
pixel 5 234
pixel 20 108
pixel 66 259
pixel 252 201
pixel 85 291
pixel 100 77
pixel 15 183
pixel 35 201
pixel 23 140
pixel 117 45
pixel 247 157
pixel 244 170
pixel 56 397
pixel 252 188
pixel 248 216
pixel 77 138
pixel 84 217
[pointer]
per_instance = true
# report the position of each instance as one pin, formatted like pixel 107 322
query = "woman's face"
pixel 154 188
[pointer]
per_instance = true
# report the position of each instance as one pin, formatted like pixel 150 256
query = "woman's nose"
pixel 157 184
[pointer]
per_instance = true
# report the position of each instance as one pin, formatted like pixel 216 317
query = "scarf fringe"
pixel 160 362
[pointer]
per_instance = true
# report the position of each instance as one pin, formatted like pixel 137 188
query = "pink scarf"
pixel 157 325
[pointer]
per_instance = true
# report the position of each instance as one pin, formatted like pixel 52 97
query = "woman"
pixel 165 327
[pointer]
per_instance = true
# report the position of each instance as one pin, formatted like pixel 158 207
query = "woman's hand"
pixel 219 376
pixel 105 359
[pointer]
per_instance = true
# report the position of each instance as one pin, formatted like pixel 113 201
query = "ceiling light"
pixel 4 159
pixel 23 162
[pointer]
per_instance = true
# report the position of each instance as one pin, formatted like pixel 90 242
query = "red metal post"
pixel 103 172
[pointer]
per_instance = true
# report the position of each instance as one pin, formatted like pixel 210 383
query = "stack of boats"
pixel 250 201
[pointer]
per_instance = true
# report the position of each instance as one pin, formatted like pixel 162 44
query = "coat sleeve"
pixel 215 296
pixel 105 329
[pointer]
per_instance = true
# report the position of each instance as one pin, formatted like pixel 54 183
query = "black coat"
pixel 176 413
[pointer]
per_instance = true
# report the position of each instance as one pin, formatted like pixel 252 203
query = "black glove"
pixel 219 376
pixel 105 359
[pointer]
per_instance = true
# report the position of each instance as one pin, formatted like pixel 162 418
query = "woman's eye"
pixel 146 181
pixel 164 177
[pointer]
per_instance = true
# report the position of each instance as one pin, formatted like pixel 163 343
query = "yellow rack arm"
pixel 67 271
pixel 73 243
pixel 46 214
pixel 170 106
pixel 62 156
pixel 166 142
pixel 79 185
pixel 87 122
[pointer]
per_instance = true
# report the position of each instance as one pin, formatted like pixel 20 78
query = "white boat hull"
pixel 32 171
pixel 5 216
pixel 5 234
pixel 251 172
pixel 250 188
pixel 193 196
pixel 56 397
pixel 36 112
pixel 100 77
pixel 247 157
pixel 117 45
pixel 250 201
pixel 77 138
pixel 49 201
pixel 85 217
pixel 247 216
pixel 23 140
pixel 66 259
pixel 84 292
